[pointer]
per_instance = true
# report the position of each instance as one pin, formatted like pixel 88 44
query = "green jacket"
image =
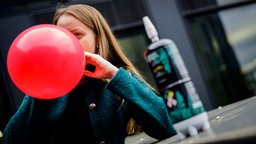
pixel 108 122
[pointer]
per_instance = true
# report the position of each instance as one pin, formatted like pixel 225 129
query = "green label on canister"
pixel 174 82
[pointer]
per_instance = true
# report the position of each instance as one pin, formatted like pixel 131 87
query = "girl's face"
pixel 83 33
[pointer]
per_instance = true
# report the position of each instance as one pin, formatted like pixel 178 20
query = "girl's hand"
pixel 103 68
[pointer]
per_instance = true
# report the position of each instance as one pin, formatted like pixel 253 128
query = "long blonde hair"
pixel 108 46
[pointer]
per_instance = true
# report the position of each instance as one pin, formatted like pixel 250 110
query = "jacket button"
pixel 92 106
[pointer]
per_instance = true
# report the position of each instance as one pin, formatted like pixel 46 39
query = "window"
pixel 224 39
pixel 134 43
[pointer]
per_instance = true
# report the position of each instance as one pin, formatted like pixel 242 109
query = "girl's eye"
pixel 78 35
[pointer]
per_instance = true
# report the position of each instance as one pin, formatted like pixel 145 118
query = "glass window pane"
pixel 240 29
pixel 225 43
pixel 134 46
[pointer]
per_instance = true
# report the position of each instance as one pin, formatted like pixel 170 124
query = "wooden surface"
pixel 234 123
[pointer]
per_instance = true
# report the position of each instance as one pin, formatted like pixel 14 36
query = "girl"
pixel 98 108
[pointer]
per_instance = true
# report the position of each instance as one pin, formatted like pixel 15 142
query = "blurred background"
pixel 216 38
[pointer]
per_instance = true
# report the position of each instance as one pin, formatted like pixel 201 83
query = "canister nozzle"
pixel 150 29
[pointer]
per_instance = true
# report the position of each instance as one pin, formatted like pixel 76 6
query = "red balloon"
pixel 45 61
